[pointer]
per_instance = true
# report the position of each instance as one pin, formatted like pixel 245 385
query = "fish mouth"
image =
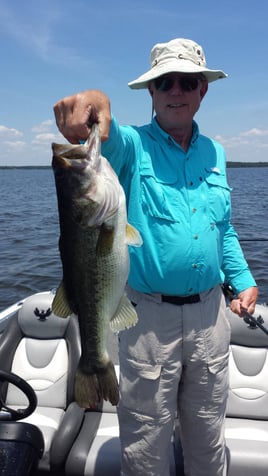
pixel 69 156
pixel 66 163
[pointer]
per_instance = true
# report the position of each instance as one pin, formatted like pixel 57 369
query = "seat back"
pixel 248 368
pixel 44 350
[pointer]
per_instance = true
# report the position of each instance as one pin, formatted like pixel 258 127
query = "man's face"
pixel 176 99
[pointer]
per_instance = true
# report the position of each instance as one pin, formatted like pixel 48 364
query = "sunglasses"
pixel 187 83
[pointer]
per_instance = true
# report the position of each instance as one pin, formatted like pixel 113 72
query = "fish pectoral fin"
pixel 60 304
pixel 133 237
pixel 125 316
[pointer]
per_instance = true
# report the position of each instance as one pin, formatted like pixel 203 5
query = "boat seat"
pixel 96 452
pixel 246 423
pixel 44 350
pixel 99 455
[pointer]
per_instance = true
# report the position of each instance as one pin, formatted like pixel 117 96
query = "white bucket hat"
pixel 176 56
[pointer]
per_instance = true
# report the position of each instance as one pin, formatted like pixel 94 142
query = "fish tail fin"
pixel 125 317
pixel 90 389
pixel 60 304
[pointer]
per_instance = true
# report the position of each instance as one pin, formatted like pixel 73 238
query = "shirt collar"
pixel 167 137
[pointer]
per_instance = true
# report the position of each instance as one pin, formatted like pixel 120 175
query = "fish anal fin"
pixel 133 237
pixel 60 304
pixel 125 316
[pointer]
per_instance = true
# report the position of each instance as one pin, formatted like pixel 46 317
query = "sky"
pixel 54 48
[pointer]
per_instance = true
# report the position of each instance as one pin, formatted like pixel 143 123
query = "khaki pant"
pixel 174 360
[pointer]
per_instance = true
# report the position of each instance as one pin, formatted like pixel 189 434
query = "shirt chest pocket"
pixel 160 199
pixel 218 198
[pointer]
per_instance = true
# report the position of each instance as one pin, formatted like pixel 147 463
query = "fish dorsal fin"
pixel 60 305
pixel 133 237
pixel 125 317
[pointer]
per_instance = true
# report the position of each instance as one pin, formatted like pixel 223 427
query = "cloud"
pixel 18 24
pixel 46 137
pixel 43 127
pixel 9 132
pixel 255 133
pixel 255 137
pixel 36 27
pixel 15 145
pixel 36 146
pixel 246 146
pixel 45 133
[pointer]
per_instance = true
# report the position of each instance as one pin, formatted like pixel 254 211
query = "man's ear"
pixel 203 89
pixel 150 89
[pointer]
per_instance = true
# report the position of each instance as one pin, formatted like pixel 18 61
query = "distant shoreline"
pixel 246 164
pixel 229 165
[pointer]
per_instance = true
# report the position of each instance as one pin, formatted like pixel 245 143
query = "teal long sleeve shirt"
pixel 180 203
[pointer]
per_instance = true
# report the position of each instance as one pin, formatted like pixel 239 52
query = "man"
pixel 176 357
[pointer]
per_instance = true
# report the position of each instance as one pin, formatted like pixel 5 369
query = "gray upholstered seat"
pixel 96 451
pixel 246 427
pixel 246 423
pixel 44 350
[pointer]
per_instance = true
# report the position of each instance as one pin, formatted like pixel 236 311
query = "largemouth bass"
pixel 94 239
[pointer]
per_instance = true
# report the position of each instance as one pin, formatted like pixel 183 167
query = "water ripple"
pixel 29 229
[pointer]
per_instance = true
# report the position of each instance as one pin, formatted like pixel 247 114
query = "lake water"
pixel 29 229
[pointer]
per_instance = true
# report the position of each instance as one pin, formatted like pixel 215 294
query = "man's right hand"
pixel 75 115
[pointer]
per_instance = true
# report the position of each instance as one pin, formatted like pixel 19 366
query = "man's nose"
pixel 176 87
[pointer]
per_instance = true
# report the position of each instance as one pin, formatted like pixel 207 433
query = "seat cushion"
pixel 104 455
pixel 248 382
pixel 247 444
pixel 47 420
pixel 44 365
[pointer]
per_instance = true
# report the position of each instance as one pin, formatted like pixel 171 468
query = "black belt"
pixel 180 300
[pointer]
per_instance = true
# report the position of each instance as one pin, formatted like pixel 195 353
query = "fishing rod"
pixel 253 322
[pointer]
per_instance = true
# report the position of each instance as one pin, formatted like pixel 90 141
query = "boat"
pixel 47 433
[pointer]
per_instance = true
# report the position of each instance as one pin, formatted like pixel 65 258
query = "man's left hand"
pixel 245 301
